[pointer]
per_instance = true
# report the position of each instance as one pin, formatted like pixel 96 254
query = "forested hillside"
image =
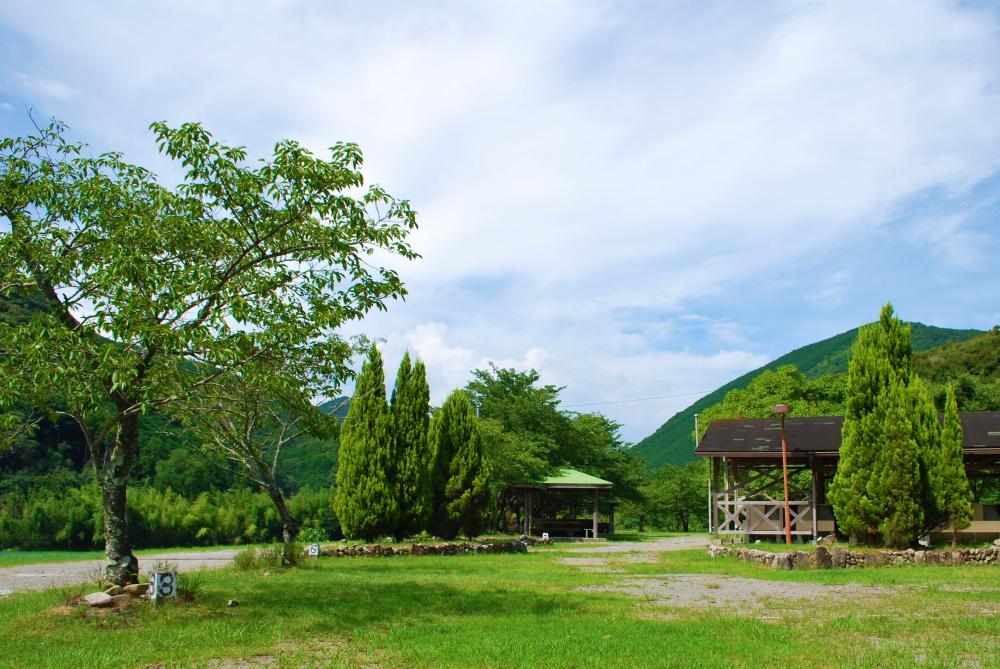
pixel 673 441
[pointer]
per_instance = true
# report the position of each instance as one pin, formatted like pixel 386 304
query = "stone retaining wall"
pixel 824 558
pixel 378 550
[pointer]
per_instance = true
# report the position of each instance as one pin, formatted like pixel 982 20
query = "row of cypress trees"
pixel 900 473
pixel 402 472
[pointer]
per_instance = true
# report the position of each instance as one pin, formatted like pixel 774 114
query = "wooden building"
pixel 746 498
pixel 567 504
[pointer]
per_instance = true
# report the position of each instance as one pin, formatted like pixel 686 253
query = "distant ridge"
pixel 338 407
pixel 672 442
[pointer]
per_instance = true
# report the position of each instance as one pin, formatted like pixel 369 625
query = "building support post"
pixel 595 513
pixel 814 501
pixel 711 496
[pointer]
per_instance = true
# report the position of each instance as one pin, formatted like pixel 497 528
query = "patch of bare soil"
pixel 746 595
pixel 243 662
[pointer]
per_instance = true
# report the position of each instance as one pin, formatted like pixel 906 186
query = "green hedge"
pixel 71 519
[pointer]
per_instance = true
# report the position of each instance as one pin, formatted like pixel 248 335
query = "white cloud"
pixel 951 240
pixel 46 87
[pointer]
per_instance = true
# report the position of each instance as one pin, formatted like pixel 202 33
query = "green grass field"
pixel 516 611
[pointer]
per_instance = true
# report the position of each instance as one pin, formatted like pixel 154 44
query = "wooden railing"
pixel 763 517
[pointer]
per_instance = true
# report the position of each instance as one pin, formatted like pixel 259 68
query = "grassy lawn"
pixel 10 558
pixel 516 611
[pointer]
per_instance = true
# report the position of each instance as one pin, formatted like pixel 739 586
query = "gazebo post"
pixel 595 512
pixel 815 497
pixel 528 499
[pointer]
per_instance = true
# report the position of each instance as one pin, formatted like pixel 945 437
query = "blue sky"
pixel 636 199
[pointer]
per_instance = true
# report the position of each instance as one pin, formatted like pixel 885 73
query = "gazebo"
pixel 555 504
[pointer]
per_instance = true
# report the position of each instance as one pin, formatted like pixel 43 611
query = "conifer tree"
pixel 956 495
pixel 927 438
pixel 895 489
pixel 366 501
pixel 880 354
pixel 459 473
pixel 411 422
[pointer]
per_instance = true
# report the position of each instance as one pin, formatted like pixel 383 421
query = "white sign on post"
pixel 162 584
pixel 545 536
pixel 314 550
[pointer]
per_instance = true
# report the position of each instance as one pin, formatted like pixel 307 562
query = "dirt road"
pixel 41 576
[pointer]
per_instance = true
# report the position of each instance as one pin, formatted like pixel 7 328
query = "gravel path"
pixel 658 546
pixel 41 576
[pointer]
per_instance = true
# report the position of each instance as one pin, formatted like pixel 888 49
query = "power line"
pixel 637 399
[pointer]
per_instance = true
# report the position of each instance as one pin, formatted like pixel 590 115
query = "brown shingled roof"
pixel 812 435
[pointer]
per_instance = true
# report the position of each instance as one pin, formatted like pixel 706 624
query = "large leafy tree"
pixel 956 493
pixel 411 422
pixel 459 474
pixel 786 385
pixel 152 292
pixel 367 501
pixel 527 435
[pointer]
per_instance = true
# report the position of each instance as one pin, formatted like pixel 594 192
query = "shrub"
pixel 312 534
pixel 251 559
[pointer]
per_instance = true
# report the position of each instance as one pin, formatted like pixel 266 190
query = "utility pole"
pixel 781 410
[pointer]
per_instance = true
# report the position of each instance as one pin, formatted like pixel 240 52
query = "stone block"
pixel 822 558
pixel 838 557
pixel 99 599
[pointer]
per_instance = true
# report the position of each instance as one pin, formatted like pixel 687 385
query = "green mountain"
pixel 673 443
pixel 310 462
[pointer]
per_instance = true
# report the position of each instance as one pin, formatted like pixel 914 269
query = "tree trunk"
pixel 289 524
pixel 121 566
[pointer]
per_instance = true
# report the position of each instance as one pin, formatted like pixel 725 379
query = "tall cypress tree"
pixel 459 473
pixel 880 354
pixel 366 502
pixel 411 421
pixel 927 439
pixel 895 487
pixel 956 495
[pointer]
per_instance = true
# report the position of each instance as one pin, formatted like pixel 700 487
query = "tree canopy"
pixel 152 291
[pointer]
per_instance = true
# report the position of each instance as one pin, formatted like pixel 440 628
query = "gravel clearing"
pixel 748 595
pixel 42 576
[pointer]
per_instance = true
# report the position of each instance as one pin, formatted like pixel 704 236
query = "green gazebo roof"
pixel 571 477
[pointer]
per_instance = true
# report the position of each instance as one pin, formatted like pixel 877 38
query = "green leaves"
pixel 956 494
pixel 367 498
pixel 460 475
pixel 888 480
pixel 154 292
pixel 410 424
